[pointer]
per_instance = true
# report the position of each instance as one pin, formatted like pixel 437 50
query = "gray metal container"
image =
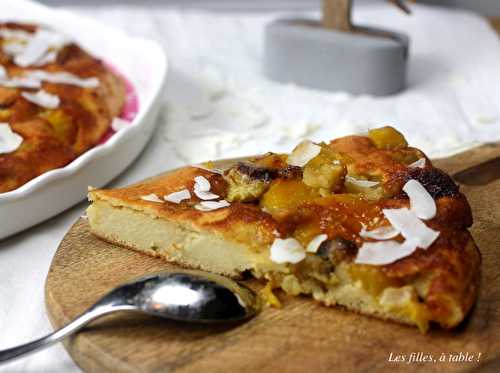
pixel 370 61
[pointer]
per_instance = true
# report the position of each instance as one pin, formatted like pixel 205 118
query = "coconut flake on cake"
pixel 49 57
pixel 38 46
pixel 315 243
pixel 421 202
pixel 63 77
pixel 15 34
pixel 205 195
pixel 411 227
pixel 178 197
pixel 384 252
pixel 9 140
pixel 43 99
pixel 20 82
pixel 201 184
pixel 380 233
pixel 152 198
pixel 303 153
pixel 287 250
pixel 419 163
pixel 211 205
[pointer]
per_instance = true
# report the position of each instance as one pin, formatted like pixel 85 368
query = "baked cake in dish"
pixel 56 102
pixel 365 222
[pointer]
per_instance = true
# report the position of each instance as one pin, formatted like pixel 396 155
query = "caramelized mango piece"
pixel 8 96
pixel 306 232
pixel 406 156
pixel 387 138
pixel 60 122
pixel 324 172
pixel 272 160
pixel 286 194
pixel 5 115
pixel 373 280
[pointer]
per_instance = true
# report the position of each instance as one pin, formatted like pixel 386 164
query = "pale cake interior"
pixel 173 240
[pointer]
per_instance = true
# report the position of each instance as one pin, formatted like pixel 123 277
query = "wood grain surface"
pixel 302 336
pixel 337 15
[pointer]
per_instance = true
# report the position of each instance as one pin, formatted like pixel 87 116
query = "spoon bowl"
pixel 191 296
pixel 188 296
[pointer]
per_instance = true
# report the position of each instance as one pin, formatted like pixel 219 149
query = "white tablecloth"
pixel 217 104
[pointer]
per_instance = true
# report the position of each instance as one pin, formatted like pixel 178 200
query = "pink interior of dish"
pixel 131 106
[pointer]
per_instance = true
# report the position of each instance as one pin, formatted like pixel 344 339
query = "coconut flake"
pixel 421 202
pixel 384 252
pixel 54 39
pixel 303 153
pixel 33 79
pixel 361 183
pixel 20 82
pixel 42 98
pixel 32 52
pixel 118 124
pixel 205 195
pixel 211 205
pixel 8 34
pixel 63 77
pixel 13 49
pixel 152 198
pixel 380 233
pixel 202 188
pixel 201 184
pixel 411 227
pixel 178 197
pixel 419 163
pixel 315 243
pixel 288 250
pixel 38 46
pixel 49 57
pixel 9 140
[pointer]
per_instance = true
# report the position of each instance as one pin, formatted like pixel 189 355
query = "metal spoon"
pixel 192 296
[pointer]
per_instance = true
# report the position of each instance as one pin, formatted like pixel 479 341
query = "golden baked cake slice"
pixel 56 102
pixel 363 222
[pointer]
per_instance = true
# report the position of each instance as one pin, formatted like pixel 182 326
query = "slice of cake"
pixel 365 222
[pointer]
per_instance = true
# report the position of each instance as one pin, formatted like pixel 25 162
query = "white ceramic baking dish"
pixel 144 64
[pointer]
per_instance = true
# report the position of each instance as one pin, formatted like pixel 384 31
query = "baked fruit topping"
pixel 56 102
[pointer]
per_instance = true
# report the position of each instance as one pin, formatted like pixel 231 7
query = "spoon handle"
pixel 38 344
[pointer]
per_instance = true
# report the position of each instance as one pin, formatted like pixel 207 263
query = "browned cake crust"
pixel 54 137
pixel 445 277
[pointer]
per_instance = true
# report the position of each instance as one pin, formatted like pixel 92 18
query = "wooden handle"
pixel 337 15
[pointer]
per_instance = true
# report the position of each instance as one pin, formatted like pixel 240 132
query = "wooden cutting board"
pixel 303 335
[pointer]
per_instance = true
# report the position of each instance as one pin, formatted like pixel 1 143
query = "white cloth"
pixel 219 105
